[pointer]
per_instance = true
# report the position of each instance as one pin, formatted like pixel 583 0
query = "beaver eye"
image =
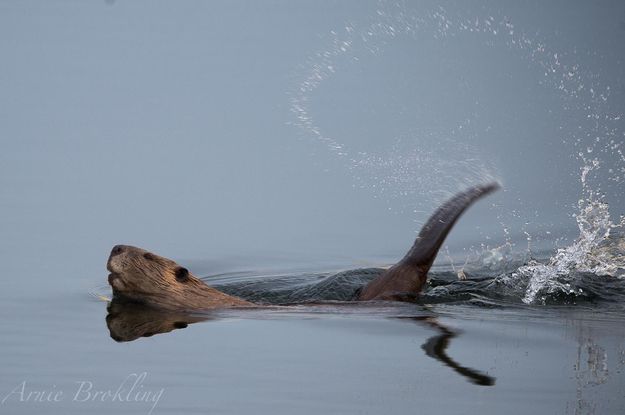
pixel 182 274
pixel 149 256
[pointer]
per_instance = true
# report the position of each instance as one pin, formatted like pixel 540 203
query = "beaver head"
pixel 141 276
pixel 135 270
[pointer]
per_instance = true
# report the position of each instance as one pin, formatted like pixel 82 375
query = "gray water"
pixel 269 146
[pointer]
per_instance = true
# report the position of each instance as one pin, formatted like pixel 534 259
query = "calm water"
pixel 287 152
pixel 463 353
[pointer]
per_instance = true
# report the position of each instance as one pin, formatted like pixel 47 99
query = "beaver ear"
pixel 182 274
pixel 149 256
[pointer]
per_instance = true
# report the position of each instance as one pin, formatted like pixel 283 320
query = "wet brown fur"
pixel 398 283
pixel 141 276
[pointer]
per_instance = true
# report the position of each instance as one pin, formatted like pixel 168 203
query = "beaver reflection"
pixel 128 321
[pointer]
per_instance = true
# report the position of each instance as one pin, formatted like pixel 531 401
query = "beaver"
pixel 144 277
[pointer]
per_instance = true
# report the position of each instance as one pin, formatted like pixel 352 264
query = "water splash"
pixel 592 268
pixel 598 250
pixel 419 167
pixel 404 171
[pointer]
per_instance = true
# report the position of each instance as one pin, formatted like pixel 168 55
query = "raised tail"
pixel 435 230
pixel 405 279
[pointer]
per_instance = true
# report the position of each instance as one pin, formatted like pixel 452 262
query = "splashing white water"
pixel 599 250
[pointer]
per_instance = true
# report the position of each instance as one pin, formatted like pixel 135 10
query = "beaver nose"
pixel 117 249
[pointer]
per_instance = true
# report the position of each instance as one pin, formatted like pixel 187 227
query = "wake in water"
pixel 590 270
pixel 598 252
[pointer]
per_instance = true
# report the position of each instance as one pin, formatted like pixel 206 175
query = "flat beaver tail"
pixel 404 280
pixel 435 230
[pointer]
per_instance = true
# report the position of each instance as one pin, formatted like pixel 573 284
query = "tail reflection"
pixel 130 321
pixel 436 347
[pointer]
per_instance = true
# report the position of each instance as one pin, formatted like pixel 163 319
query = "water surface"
pixel 288 152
